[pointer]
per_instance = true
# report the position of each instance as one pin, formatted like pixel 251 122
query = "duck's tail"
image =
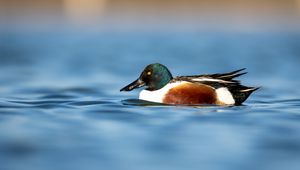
pixel 241 93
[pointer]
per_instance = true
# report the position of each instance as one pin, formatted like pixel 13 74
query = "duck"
pixel 205 89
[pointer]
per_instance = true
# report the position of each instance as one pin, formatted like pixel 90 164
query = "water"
pixel 60 105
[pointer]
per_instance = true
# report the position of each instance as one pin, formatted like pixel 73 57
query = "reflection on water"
pixel 60 105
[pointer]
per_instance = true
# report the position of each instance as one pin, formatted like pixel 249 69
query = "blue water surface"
pixel 60 105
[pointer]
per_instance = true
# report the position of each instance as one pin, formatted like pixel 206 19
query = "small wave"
pixel 88 103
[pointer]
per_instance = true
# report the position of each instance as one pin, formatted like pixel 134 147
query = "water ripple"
pixel 88 103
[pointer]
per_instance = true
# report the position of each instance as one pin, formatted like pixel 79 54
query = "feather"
pixel 239 92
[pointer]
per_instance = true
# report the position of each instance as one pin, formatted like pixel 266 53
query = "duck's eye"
pixel 149 73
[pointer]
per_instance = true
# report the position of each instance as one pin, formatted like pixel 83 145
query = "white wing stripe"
pixel 211 80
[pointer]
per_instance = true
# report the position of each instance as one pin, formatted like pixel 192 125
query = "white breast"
pixel 158 95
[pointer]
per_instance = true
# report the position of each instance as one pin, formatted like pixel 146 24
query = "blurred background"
pixel 69 36
pixel 234 15
pixel 62 63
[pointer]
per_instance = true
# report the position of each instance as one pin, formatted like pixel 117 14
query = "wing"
pixel 239 92
pixel 225 79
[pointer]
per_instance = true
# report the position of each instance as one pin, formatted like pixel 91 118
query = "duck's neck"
pixel 160 83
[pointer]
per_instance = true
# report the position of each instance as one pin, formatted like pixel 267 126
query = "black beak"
pixel 136 84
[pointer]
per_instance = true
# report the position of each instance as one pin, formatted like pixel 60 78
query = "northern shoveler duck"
pixel 216 89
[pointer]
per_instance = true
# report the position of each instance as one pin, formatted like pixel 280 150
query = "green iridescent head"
pixel 155 76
